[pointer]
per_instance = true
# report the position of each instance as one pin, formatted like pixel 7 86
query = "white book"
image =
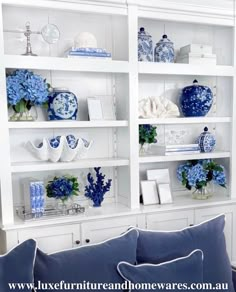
pixel 183 152
pixel 179 146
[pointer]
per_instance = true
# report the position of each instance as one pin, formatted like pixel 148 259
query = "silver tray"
pixel 49 213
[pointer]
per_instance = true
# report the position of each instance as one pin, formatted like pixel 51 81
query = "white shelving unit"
pixel 115 24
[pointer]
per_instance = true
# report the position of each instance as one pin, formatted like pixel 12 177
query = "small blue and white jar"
pixel 62 105
pixel 164 51
pixel 145 46
pixel 196 100
pixel 206 141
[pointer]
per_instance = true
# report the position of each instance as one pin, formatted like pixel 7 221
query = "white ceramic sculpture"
pixel 157 107
pixel 62 153
pixel 85 40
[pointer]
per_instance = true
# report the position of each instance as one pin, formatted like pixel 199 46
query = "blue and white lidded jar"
pixel 196 100
pixel 145 46
pixel 164 51
pixel 206 141
pixel 62 105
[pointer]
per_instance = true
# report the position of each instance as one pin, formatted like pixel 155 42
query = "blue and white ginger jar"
pixel 164 51
pixel 206 141
pixel 145 46
pixel 196 100
pixel 62 105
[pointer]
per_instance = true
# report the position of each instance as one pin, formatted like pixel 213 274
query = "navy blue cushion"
pixel 17 266
pixel 182 271
pixel 94 263
pixel 158 246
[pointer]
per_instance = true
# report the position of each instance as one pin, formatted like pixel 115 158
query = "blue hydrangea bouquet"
pixel 62 188
pixel 197 174
pixel 24 90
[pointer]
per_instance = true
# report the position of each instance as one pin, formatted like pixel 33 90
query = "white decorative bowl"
pixel 62 153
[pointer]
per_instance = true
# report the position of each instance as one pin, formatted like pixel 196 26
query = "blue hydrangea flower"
pixel 61 187
pixel 183 168
pixel 196 174
pixel 25 85
pixel 219 177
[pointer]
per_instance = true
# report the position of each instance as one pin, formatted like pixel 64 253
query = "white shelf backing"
pixel 83 163
pixel 180 121
pixel 65 64
pixel 67 124
pixel 185 69
pixel 212 155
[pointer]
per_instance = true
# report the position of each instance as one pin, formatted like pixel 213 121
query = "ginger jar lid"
pixel 143 33
pixel 165 40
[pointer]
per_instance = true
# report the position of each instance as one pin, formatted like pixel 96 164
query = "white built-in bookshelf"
pixel 115 143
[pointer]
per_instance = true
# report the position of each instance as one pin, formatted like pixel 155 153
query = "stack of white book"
pixel 182 149
pixel 97 53
pixel 196 54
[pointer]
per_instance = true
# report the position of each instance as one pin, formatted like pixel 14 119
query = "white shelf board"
pixel 82 163
pixel 106 211
pixel 67 124
pixel 111 210
pixel 185 69
pixel 65 64
pixel 187 202
pixel 180 121
pixel 165 158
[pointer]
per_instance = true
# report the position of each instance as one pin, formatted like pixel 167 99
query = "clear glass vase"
pixel 144 149
pixel 63 206
pixel 203 193
pixel 26 115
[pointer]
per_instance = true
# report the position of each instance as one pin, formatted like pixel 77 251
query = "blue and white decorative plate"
pixel 206 141
pixel 62 105
pixel 164 51
pixel 196 100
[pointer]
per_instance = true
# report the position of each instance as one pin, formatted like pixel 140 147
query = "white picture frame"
pixel 159 175
pixel 149 192
pixel 164 192
pixel 94 109
pixel 108 108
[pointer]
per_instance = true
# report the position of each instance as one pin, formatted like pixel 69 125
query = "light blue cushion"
pixel 182 271
pixel 158 246
pixel 94 263
pixel 17 266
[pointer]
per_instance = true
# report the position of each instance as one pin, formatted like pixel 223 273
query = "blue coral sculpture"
pixel 96 190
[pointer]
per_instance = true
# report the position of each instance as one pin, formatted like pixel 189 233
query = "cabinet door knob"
pixel 87 240
pixel 77 241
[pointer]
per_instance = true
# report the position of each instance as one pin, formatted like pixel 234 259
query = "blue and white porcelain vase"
pixel 206 141
pixel 145 46
pixel 196 100
pixel 164 51
pixel 62 105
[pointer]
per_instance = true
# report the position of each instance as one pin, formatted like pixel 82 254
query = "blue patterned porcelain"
pixel 164 51
pixel 206 141
pixel 196 100
pixel 145 46
pixel 62 105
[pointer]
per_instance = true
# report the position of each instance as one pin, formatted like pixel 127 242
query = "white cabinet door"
pixel 100 230
pixel 54 238
pixel 208 213
pixel 174 220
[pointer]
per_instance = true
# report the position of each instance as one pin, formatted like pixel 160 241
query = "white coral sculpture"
pixel 157 107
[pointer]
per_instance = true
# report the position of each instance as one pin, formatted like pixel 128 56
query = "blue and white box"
pixel 34 196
